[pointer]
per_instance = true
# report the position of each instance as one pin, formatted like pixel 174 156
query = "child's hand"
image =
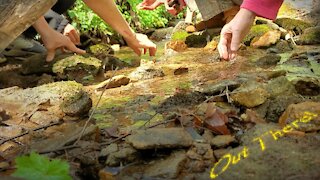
pixel 141 41
pixel 54 40
pixel 233 33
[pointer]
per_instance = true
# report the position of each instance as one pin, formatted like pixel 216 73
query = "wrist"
pixel 128 34
pixel 250 15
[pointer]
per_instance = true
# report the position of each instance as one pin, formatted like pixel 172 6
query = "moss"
pixel 298 26
pixel 310 36
pixel 196 40
pixel 256 31
pixel 180 35
pixel 90 64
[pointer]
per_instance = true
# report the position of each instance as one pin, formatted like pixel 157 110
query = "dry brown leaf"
pixel 215 120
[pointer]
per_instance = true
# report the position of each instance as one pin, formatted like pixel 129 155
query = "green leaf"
pixel 36 166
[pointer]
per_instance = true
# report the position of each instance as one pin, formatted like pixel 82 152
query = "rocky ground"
pixel 184 115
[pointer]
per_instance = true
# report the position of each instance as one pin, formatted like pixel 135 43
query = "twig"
pixel 95 108
pixel 27 132
pixel 59 149
pixel 227 94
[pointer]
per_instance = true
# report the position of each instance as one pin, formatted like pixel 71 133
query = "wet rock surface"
pixel 160 138
pixel 179 115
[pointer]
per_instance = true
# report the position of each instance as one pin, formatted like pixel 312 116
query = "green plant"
pixel 36 166
pixel 86 20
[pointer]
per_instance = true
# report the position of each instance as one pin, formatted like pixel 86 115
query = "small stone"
pixel 181 70
pixel 77 67
pixel 280 86
pixel 45 79
pixel 114 82
pixel 307 86
pixel 221 141
pixel 146 72
pixel 283 46
pixel 296 25
pixel 250 95
pixel 108 150
pixel 77 105
pixel 168 168
pixel 197 40
pixel 298 111
pixel 211 46
pixel 176 45
pixel 268 61
pixel 219 153
pixel 266 40
pixel 125 155
pixel 44 118
pixel 101 50
pixel 255 32
pixel 160 138
pixel 161 34
pixel 310 36
pixel 2 59
pixel 214 89
pixel 191 29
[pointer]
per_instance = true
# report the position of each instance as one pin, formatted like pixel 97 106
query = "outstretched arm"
pixel 108 11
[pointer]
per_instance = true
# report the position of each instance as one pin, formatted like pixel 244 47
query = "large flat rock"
pixel 160 138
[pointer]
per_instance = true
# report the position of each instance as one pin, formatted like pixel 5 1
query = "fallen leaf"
pixel 215 120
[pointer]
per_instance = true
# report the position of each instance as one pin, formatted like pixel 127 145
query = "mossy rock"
pixel 77 67
pixel 298 26
pixel 197 41
pixel 101 50
pixel 77 105
pixel 179 35
pixel 310 36
pixel 256 31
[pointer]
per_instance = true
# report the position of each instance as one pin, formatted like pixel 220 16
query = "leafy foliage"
pixel 36 166
pixel 86 20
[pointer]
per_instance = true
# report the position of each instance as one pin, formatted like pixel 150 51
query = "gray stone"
pixel 146 72
pixel 160 138
pixel 167 168
pixel 310 36
pixel 77 67
pixel 77 105
pixel 160 34
pixel 280 86
pixel 217 88
pixel 222 141
pixel 268 61
pixel 126 154
pixel 108 150
pixel 44 117
pixel 250 95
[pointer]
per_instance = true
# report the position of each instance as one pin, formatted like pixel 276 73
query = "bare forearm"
pixel 42 27
pixel 108 11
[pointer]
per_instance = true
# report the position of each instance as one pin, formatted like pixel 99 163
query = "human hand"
pixel 141 41
pixel 150 4
pixel 233 33
pixel 53 40
pixel 72 34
